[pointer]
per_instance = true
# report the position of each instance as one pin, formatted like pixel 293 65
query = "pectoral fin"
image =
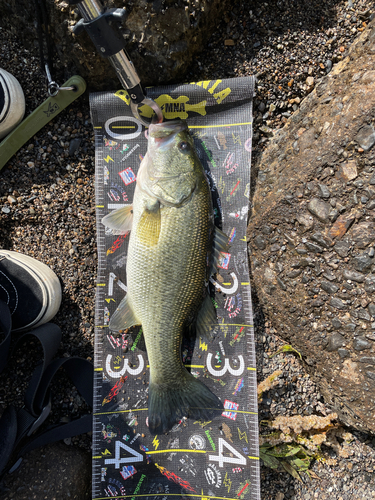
pixel 221 244
pixel 148 230
pixel 119 220
pixel 206 319
pixel 124 316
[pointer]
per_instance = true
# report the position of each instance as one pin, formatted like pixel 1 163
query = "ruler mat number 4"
pixel 218 459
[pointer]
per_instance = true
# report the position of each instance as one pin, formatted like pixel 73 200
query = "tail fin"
pixel 168 403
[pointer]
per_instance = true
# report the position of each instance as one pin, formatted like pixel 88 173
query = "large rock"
pixel 161 37
pixel 312 233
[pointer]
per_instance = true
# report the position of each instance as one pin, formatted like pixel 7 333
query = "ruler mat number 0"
pixel 218 459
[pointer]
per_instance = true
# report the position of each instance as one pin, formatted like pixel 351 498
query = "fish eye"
pixel 184 147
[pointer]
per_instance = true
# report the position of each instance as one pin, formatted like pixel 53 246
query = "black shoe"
pixel 31 290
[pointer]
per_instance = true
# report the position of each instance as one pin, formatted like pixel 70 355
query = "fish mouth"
pixel 162 135
pixel 164 130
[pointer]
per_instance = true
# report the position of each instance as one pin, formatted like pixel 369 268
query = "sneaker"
pixel 12 103
pixel 31 290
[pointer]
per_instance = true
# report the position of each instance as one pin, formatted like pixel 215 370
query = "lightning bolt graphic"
pixel 155 442
pixel 236 138
pixel 227 482
pixel 202 345
pixel 108 158
pixel 242 435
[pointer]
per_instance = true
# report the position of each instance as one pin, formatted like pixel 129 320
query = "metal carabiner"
pixel 53 87
pixel 130 81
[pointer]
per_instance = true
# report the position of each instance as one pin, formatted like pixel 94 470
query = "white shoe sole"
pixel 13 107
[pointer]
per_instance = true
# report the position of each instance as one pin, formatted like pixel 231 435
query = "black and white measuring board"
pixel 212 460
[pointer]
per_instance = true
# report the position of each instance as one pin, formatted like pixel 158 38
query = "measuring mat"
pixel 218 459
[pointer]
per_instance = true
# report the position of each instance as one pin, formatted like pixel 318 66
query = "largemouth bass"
pixel 173 249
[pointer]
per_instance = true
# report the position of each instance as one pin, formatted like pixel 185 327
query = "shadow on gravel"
pixel 366 439
pixel 305 15
pixel 261 23
pixel 69 319
pixel 7 228
pixel 270 479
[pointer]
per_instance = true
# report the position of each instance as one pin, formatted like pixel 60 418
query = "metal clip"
pixel 148 102
pixel 53 87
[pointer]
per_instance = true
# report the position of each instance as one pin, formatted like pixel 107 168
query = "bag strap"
pixel 18 427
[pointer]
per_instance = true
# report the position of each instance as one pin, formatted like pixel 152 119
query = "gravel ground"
pixel 47 207
pixel 347 472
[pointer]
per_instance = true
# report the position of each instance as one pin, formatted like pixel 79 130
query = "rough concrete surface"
pixel 312 233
